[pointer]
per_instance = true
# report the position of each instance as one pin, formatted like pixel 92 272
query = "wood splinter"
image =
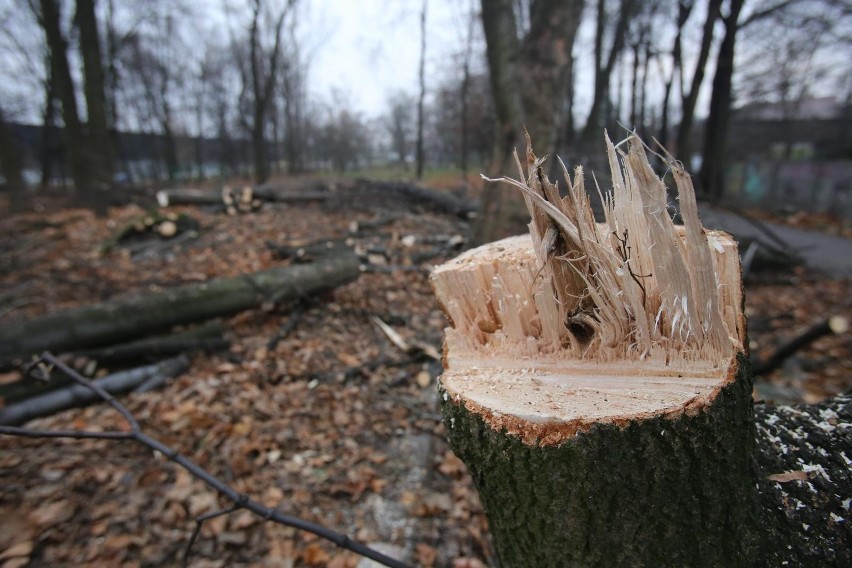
pixel 595 380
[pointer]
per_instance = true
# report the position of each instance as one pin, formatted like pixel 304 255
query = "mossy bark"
pixel 658 492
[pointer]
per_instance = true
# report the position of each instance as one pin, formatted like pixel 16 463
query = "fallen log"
pixel 190 196
pixel 206 337
pixel 835 325
pixel 126 318
pixel 79 395
pixel 595 379
pixel 438 200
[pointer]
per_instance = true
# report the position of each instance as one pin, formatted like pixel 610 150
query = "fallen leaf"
pixel 424 379
pixel 21 549
pixel 426 555
pixel 52 513
pixel 314 555
pixel 797 475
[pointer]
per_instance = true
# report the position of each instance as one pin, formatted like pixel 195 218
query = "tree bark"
pixel 122 319
pixel 653 492
pixel 805 482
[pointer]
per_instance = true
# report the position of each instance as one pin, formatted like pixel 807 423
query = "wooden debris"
pixel 79 395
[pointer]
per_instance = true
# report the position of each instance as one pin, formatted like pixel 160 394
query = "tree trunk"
pixel 10 166
pixel 684 10
pixel 596 383
pixel 73 136
pixel 544 61
pixel 48 126
pixel 597 115
pixel 502 51
pixel 100 145
pixel 258 138
pixel 126 318
pixel 419 157
pixel 716 128
pixel 547 63
pixel 805 487
pixel 689 100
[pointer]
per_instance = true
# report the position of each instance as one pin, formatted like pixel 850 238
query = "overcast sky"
pixel 371 48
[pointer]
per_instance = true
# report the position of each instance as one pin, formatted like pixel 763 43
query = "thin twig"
pixel 240 500
pixel 199 522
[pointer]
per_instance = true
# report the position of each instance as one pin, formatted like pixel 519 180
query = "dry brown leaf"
pixel 315 555
pixel 18 550
pixel 797 475
pixel 426 555
pixel 122 541
pixel 343 561
pixel 52 513
pixel 19 562
pixel 424 379
pixel 468 563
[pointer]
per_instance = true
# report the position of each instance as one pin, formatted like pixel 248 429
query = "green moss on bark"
pixel 660 492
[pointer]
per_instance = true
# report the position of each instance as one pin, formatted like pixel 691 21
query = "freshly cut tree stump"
pixel 595 379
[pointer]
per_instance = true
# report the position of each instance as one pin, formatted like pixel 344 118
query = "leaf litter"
pixel 333 422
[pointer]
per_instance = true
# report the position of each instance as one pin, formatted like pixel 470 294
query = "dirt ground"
pixel 334 423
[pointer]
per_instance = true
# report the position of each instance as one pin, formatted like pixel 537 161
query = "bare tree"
pixel 98 127
pixel 399 123
pixel 76 148
pixel 690 98
pixel 821 17
pixel 718 119
pixel 604 66
pixel 684 9
pixel 422 82
pixel 265 47
pixel 641 35
pixel 294 94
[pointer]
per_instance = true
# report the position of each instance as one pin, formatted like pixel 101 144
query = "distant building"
pixel 814 128
pixel 792 156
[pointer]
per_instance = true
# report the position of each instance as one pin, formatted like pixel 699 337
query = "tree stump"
pixel 595 379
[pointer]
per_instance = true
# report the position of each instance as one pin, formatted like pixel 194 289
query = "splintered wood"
pixel 635 297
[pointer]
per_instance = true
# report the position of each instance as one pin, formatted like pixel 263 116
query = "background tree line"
pixel 129 92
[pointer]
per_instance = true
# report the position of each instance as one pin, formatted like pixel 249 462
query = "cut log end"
pixel 581 323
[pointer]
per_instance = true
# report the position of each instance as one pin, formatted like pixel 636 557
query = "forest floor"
pixel 332 423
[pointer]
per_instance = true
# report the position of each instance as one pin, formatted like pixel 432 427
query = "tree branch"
pixel 766 12
pixel 239 500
